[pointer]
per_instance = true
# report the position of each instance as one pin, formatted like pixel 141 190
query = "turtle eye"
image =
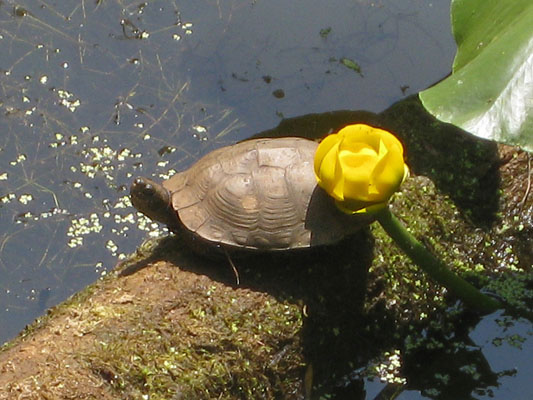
pixel 144 186
pixel 148 189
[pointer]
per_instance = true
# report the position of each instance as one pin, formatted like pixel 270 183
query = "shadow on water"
pixel 454 370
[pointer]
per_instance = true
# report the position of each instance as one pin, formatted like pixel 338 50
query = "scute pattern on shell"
pixel 256 194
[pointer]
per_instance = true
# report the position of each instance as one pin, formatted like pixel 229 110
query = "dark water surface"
pixel 94 93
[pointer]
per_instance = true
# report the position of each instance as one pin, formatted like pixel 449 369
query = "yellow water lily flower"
pixel 361 167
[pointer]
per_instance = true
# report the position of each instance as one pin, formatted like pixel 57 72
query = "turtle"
pixel 256 195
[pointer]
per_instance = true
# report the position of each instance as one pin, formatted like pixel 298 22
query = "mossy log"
pixel 160 331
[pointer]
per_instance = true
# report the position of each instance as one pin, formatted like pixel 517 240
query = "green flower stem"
pixel 433 266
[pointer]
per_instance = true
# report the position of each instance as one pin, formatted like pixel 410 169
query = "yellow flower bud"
pixel 360 167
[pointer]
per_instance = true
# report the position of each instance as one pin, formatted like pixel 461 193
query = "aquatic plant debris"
pixel 324 32
pixel 352 65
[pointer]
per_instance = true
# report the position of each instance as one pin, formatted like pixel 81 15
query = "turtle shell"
pixel 259 194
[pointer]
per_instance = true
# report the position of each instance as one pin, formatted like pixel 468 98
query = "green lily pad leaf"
pixel 490 92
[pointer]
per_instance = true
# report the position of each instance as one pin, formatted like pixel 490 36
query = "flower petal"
pixel 389 173
pixel 323 148
pixel 328 174
pixel 356 169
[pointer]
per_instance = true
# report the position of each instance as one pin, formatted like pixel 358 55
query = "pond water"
pixel 94 93
pixel 490 362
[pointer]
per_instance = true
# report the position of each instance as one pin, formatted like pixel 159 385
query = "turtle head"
pixel 153 200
